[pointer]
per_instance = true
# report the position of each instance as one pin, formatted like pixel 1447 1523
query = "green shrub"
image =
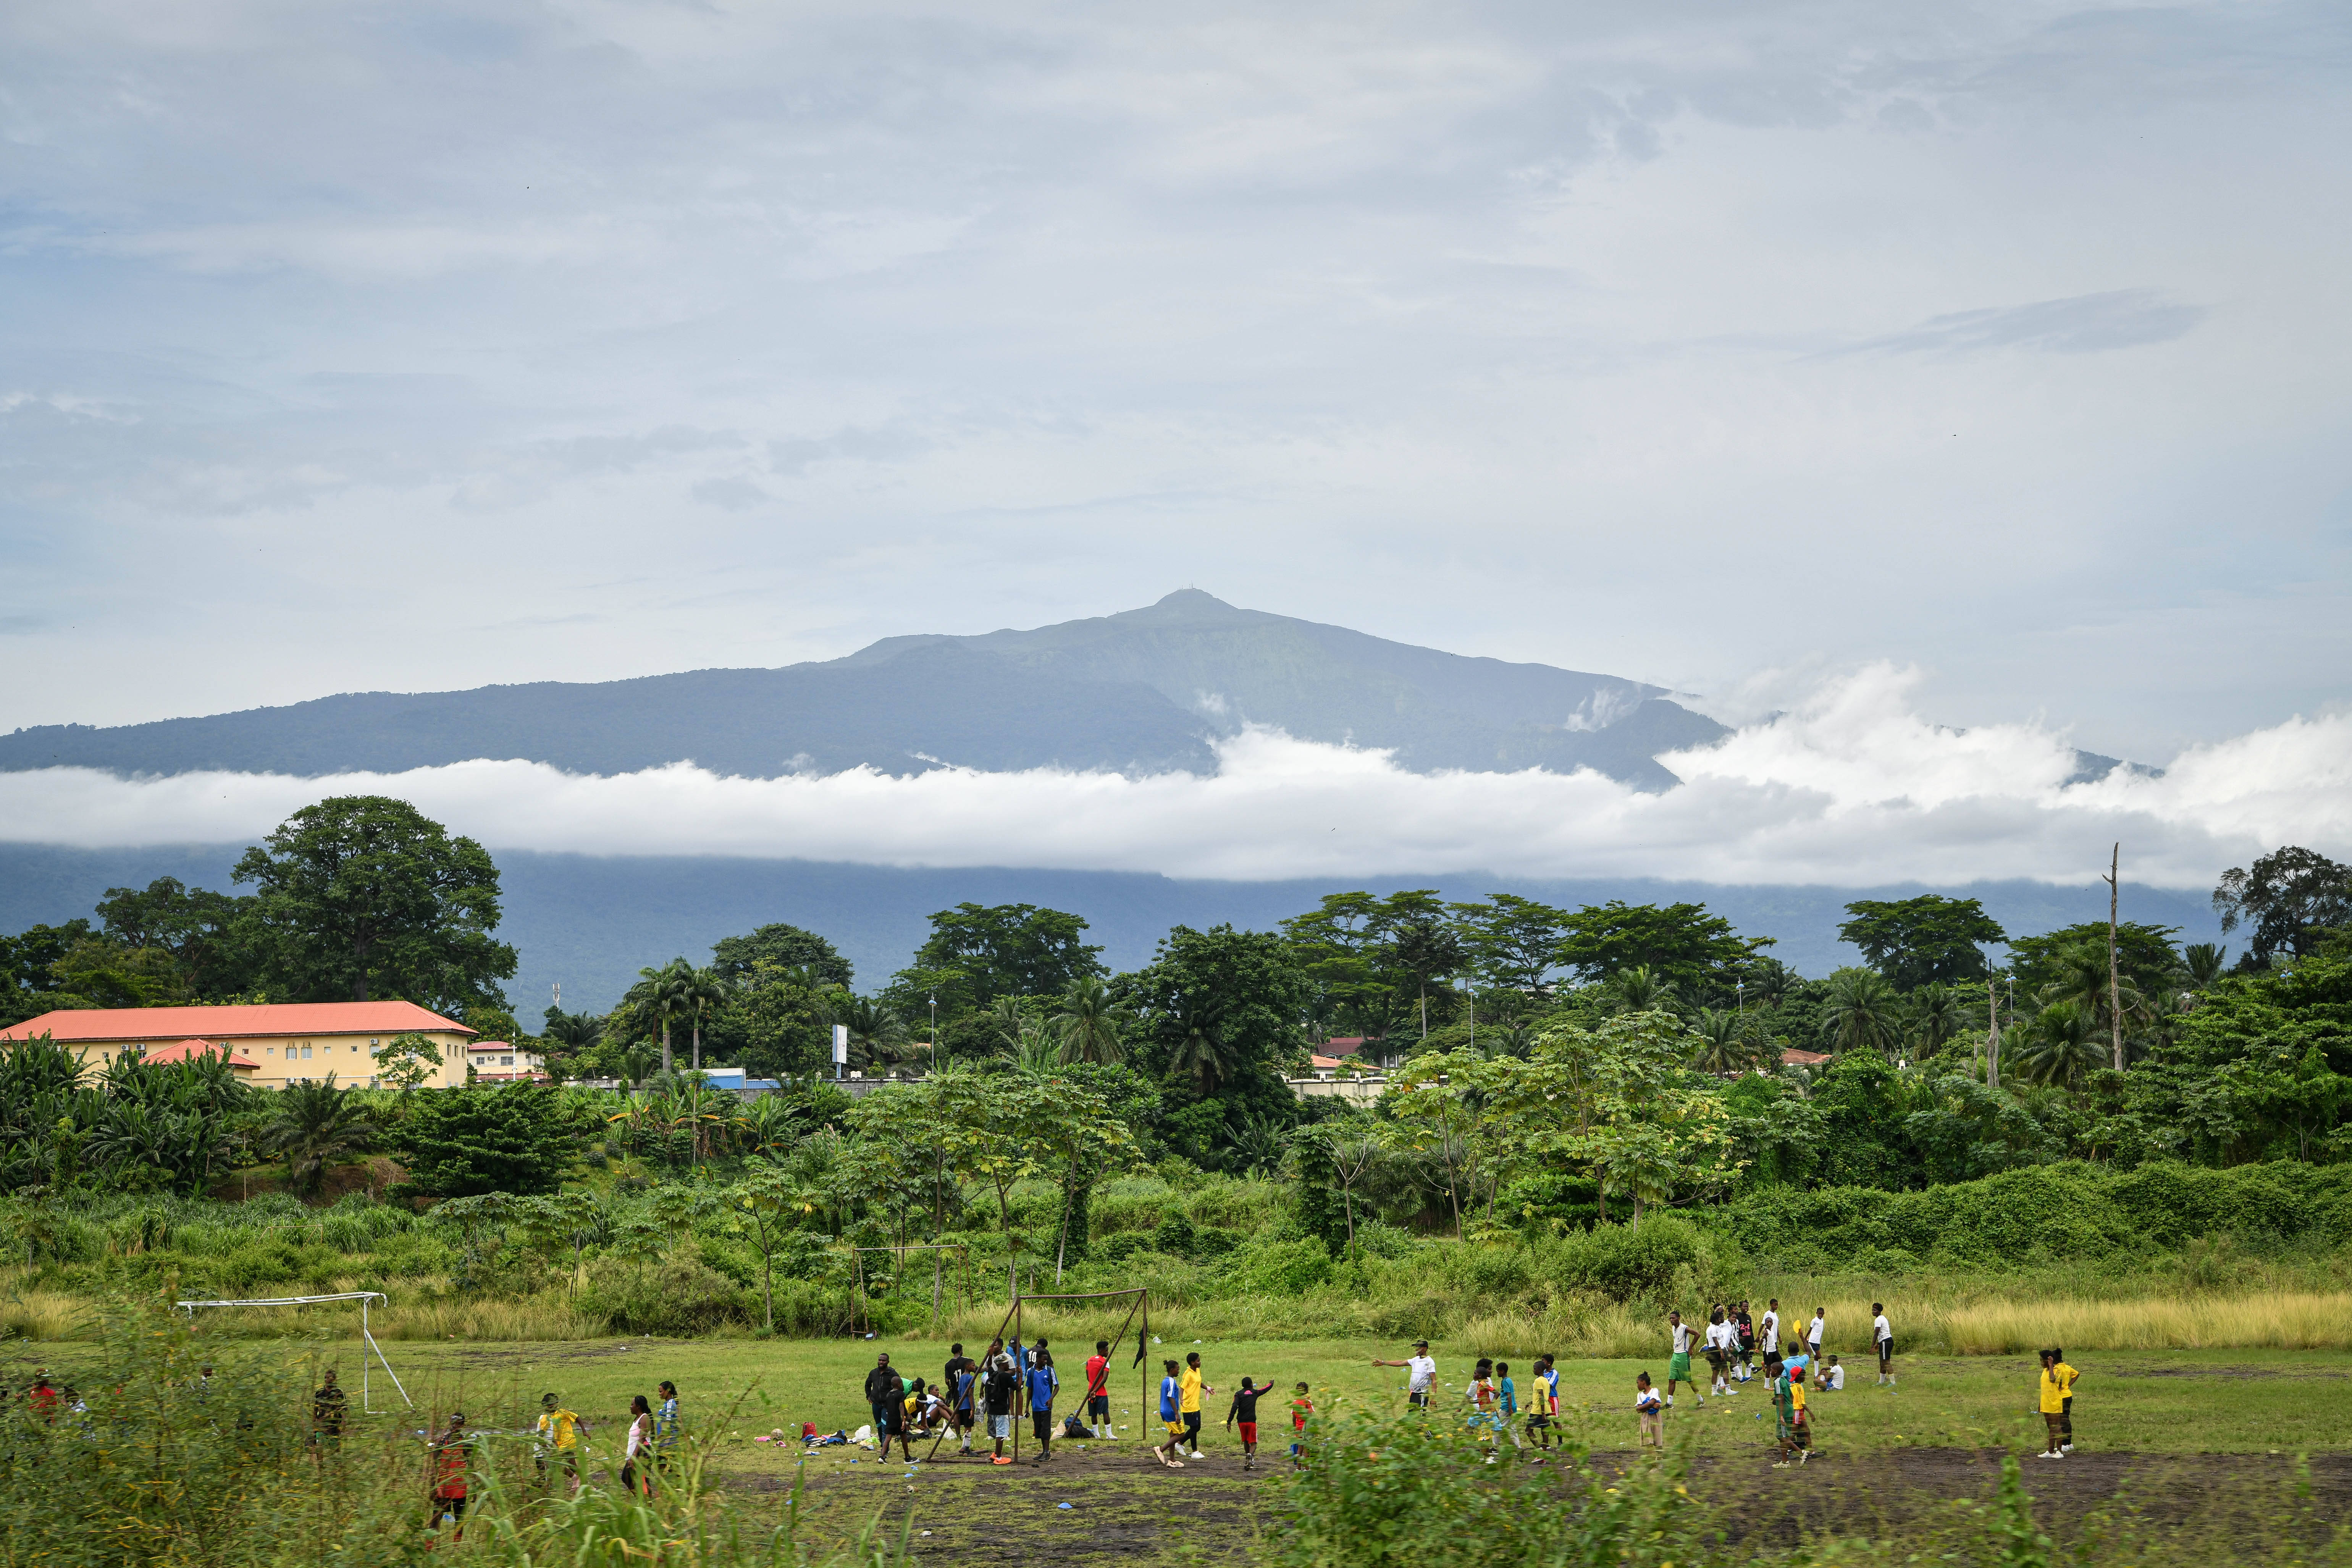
pixel 676 1296
pixel 1282 1268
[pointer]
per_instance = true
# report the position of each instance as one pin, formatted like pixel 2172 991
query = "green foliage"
pixel 1913 942
pixel 362 896
pixel 2144 953
pixel 135 1127
pixel 779 948
pixel 1697 953
pixel 2290 897
pixel 977 953
pixel 510 1138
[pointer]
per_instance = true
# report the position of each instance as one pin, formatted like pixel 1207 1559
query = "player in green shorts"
pixel 1678 1365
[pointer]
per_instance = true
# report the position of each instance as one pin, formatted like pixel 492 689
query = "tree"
pixel 1240 993
pixel 661 997
pixel 876 1035
pixel 1513 943
pixel 1421 943
pixel 1862 1011
pixel 2145 954
pixel 780 946
pixel 510 1138
pixel 704 992
pixel 317 1125
pixel 1008 950
pixel 1639 989
pixel 198 927
pixel 1339 954
pixel 1089 1021
pixel 1939 1012
pixel 2062 1046
pixel 2204 961
pixel 406 1061
pixel 1698 951
pixel 2289 898
pixel 1915 942
pixel 362 896
pixel 765 1207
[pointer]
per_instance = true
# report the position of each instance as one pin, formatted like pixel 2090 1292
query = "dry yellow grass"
pixel 43 1315
pixel 2279 1320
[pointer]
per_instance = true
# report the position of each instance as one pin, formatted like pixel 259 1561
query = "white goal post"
pixel 363 1297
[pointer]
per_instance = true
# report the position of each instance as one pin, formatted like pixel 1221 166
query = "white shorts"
pixel 1000 1426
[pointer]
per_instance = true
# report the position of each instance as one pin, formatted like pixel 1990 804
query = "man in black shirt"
pixel 1000 1380
pixel 886 1395
pixel 962 1373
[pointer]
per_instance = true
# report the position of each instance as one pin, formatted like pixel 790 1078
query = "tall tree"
pixel 1338 952
pixel 2289 898
pixel 1699 951
pixel 317 1125
pixel 1008 950
pixel 1421 943
pixel 1861 1012
pixel 1090 1023
pixel 363 896
pixel 1919 942
pixel 784 947
pixel 661 997
pixel 1513 943
pixel 195 925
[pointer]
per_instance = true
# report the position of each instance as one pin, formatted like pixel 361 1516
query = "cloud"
pixel 1851 788
pixel 2088 323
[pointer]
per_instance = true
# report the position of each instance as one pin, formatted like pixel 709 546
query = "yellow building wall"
pixel 350 1058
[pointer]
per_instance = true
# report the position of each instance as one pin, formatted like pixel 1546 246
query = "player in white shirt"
pixel 1768 1328
pixel 1678 1367
pixel 1720 1336
pixel 1813 1334
pixel 1883 1336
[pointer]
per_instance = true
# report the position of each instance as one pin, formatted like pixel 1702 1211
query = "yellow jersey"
pixel 1188 1391
pixel 2053 1392
pixel 559 1430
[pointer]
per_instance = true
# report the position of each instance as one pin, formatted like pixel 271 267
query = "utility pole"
pixel 2114 980
pixel 1992 1035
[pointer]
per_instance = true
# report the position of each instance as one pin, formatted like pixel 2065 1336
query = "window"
pixel 506 1061
pixel 272 1050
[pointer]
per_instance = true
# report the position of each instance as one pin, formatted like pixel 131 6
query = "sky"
pixel 1994 352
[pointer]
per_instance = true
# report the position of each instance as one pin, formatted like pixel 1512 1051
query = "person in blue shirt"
pixel 1043 1383
pixel 1172 1417
pixel 1506 1418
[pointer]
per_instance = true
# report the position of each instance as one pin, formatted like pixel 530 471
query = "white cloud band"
pixel 1851 788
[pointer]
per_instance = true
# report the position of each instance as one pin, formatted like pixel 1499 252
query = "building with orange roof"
pixel 503 1061
pixel 287 1042
pixel 188 1050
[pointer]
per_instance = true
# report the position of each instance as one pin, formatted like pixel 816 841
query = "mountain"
pixel 1140 693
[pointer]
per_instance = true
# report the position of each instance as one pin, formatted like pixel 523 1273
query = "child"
pixel 1506 1401
pixel 1171 1398
pixel 1746 1325
pixel 1650 1412
pixel 1678 1363
pixel 1000 1386
pixel 1832 1377
pixel 448 1500
pixel 1043 1383
pixel 1543 1404
pixel 1099 1391
pixel 1814 1334
pixel 1301 1408
pixel 2053 1405
pixel 1769 1325
pixel 1718 1350
pixel 1801 1418
pixel 1243 1413
pixel 1482 1398
pixel 2067 1376
pixel 558 1432
pixel 1883 1335
pixel 1784 1410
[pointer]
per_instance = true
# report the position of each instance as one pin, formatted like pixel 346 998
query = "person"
pixel 963 1382
pixel 1745 1322
pixel 1678 1361
pixel 43 1399
pixel 1243 1412
pixel 666 1426
pixel 556 1436
pixel 1800 1419
pixel 1883 1336
pixel 1813 1332
pixel 1421 1374
pixel 925 1411
pixel 1650 1411
pixel 1098 1391
pixel 1482 1398
pixel 1190 1388
pixel 1002 1383
pixel 1507 1406
pixel 1543 1404
pixel 1831 1378
pixel 2066 1375
pixel 883 1393
pixel 1778 1386
pixel 889 1421
pixel 637 1448
pixel 1718 1350
pixel 1769 1327
pixel 2051 1404
pixel 1301 1408
pixel 1172 1416
pixel 448 1471
pixel 1043 1383
pixel 329 1406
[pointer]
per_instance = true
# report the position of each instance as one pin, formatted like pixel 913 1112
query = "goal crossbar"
pixel 365 1298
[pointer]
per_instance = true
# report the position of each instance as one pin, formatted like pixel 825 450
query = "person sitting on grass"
pixel 1172 1415
pixel 1832 1377
pixel 1243 1412
pixel 1650 1413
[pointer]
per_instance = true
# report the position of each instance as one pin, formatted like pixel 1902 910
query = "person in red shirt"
pixel 448 1468
pixel 1099 1390
pixel 43 1397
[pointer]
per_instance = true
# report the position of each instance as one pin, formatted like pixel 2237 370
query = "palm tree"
pixel 1199 1054
pixel 635 1063
pixel 2063 1046
pixel 1640 989
pixel 1938 1015
pixel 1258 1144
pixel 1862 1010
pixel 317 1125
pixel 2083 979
pixel 2204 961
pixel 1767 981
pixel 877 1035
pixel 1720 1047
pixel 662 996
pixel 1089 1021
pixel 704 993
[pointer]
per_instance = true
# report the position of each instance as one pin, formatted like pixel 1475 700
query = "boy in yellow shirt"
pixel 2053 1405
pixel 1189 1389
pixel 558 1438
pixel 2066 1376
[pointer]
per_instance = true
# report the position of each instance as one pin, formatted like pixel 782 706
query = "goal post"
pixel 365 1298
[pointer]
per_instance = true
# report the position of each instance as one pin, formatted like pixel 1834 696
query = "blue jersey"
pixel 1042 1384
pixel 1510 1392
pixel 963 1391
pixel 1020 1357
pixel 1168 1399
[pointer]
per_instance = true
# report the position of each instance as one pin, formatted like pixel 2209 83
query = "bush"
pixel 462 1143
pixel 677 1297
pixel 1282 1268
pixel 1630 1263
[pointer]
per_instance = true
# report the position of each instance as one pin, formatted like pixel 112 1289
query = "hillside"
pixel 1139 692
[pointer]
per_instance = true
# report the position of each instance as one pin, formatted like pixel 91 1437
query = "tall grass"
pixel 2298 1321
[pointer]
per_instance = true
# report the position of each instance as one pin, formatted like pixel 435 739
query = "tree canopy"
pixel 779 947
pixel 1917 941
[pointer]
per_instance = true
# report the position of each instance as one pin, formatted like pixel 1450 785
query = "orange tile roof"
pixel 237 1061
pixel 78 1025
